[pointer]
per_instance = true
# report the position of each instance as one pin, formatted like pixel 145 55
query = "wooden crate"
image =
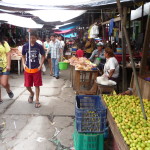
pixel 144 87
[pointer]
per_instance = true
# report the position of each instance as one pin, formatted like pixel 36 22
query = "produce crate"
pixel 88 141
pixel 90 114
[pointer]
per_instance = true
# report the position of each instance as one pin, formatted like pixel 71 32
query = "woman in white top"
pixel 111 68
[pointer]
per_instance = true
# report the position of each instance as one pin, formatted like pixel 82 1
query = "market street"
pixel 23 127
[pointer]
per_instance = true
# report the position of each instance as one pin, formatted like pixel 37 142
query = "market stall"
pixel 129 128
pixel 83 75
pixel 16 56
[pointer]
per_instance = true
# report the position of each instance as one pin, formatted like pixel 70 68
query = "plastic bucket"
pixel 63 65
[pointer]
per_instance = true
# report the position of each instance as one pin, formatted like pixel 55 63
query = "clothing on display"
pixel 111 26
pixel 94 31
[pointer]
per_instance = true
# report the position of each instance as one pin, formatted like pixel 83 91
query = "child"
pixel 33 75
pixel 79 52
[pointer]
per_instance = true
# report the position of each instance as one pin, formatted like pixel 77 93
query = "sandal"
pixel 1 101
pixel 37 105
pixel 10 94
pixel 30 99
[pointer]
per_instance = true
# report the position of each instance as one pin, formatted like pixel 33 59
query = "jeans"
pixel 55 67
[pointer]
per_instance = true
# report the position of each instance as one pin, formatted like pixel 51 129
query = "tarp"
pixel 70 26
pixel 71 35
pixel 135 14
pixel 56 15
pixel 45 4
pixel 58 26
pixel 63 32
pixel 19 21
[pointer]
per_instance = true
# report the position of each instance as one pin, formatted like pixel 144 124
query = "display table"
pixel 115 130
pixel 80 78
pixel 18 59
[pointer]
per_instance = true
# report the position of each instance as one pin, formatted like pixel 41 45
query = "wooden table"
pixel 18 59
pixel 79 78
pixel 115 130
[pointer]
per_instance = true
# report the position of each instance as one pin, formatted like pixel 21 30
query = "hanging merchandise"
pixel 111 26
pixel 116 34
pixel 89 31
pixel 94 31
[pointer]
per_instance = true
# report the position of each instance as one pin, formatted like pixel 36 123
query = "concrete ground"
pixel 24 127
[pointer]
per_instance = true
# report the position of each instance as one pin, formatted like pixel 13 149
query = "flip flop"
pixel 30 99
pixel 37 105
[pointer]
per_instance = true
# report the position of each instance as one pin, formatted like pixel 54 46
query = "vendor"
pixel 89 47
pixel 111 68
pixel 98 53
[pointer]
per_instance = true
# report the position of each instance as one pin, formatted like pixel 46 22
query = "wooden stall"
pixel 83 82
pixel 144 87
pixel 115 130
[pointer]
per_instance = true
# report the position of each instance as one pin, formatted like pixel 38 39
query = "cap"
pixel 100 44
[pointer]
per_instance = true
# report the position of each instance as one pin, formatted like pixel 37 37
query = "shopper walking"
pixel 33 76
pixel 56 53
pixel 5 63
pixel 48 54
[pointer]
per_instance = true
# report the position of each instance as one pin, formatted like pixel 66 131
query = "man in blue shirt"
pixel 32 67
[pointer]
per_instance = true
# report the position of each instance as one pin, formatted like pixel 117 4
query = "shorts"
pixel 31 79
pixel 49 56
pixel 5 73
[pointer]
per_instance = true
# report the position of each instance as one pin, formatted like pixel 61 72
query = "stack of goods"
pixel 82 63
pixel 16 52
pixel 127 113
pixel 90 115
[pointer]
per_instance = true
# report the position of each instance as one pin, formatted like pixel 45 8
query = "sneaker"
pixel 11 94
pixel 57 77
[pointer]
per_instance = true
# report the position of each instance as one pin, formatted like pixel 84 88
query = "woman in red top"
pixel 79 52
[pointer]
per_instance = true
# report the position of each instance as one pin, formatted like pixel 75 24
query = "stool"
pixel 105 89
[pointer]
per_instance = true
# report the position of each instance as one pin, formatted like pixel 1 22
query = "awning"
pixel 135 14
pixel 19 21
pixel 56 15
pixel 71 35
pixel 63 32
pixel 59 4
pixel 70 26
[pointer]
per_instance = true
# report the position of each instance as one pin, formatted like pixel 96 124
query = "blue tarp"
pixel 70 26
pixel 71 35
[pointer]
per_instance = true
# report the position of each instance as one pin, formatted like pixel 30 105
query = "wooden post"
pixel 124 71
pixel 103 27
pixel 146 47
pixel 132 62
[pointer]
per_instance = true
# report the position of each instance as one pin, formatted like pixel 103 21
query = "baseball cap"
pixel 100 44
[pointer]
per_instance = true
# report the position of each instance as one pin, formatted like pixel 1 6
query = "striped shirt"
pixel 55 48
